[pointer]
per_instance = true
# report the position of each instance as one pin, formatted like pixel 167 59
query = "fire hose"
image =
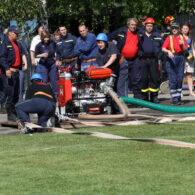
pixel 164 108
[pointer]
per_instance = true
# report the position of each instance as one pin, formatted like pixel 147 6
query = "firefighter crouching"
pixel 150 52
pixel 39 99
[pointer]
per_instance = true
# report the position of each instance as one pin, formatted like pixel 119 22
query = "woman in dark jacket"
pixel 45 50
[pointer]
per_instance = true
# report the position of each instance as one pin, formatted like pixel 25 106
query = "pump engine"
pixel 86 92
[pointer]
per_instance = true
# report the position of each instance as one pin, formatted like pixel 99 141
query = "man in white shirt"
pixel 34 43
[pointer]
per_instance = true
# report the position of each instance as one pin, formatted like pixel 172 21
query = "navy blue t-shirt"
pixel 103 56
pixel 148 47
pixel 46 48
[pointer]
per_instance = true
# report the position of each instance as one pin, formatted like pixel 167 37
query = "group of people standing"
pixel 133 54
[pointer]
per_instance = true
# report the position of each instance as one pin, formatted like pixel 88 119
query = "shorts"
pixel 189 67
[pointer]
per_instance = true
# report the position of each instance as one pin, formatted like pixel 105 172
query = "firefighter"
pixel 150 52
pixel 127 43
pixel 85 48
pixel 45 50
pixel 39 99
pixel 165 33
pixel 175 46
pixel 108 56
pixel 167 30
pixel 65 55
pixel 11 55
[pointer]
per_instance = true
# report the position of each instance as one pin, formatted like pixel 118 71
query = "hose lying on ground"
pixel 164 108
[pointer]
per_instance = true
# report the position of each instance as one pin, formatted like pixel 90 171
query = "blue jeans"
pixel 175 71
pixel 50 73
pixel 44 108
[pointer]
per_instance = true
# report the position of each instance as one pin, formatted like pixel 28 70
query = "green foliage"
pixel 97 14
pixel 20 10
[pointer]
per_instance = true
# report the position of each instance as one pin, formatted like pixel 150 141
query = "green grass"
pixel 79 164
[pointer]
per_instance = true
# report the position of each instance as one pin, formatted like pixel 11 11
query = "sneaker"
pixel 26 130
pixel 21 125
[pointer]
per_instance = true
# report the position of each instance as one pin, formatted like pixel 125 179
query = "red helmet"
pixel 149 20
pixel 168 19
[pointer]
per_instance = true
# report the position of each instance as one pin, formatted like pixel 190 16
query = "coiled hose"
pixel 164 108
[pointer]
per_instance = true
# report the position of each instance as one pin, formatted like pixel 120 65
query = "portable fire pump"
pixel 85 93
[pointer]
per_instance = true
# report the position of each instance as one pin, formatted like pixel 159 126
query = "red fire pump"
pixel 86 92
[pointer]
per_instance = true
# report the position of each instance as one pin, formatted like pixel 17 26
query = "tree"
pixel 20 10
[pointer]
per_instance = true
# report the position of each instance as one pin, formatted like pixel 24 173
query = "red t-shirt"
pixel 17 62
pixel 177 47
pixel 130 48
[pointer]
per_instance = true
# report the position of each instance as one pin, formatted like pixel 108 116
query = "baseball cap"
pixel 13 29
pixel 175 24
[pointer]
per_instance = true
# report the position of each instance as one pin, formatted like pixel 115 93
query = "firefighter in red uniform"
pixel 174 46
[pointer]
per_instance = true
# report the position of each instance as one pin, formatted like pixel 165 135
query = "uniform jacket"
pixel 120 36
pixel 157 43
pixel 65 47
pixel 7 53
pixel 86 48
pixel 40 90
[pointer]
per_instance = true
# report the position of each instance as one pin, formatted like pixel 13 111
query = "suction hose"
pixel 164 108
pixel 123 108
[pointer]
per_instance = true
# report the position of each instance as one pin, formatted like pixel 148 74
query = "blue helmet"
pixel 36 76
pixel 102 37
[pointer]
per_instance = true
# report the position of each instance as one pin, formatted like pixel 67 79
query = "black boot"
pixel 2 108
pixel 11 115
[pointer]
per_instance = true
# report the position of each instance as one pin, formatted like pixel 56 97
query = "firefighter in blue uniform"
pixel 39 99
pixel 65 55
pixel 150 52
pixel 108 56
pixel 85 48
pixel 11 60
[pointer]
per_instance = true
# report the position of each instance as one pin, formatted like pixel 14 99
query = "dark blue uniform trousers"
pixel 44 108
pixel 50 73
pixel 3 87
pixel 175 70
pixel 11 88
pixel 135 77
pixel 122 79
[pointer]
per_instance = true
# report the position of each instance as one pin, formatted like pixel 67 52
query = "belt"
pixel 14 69
pixel 43 93
pixel 69 60
pixel 148 58
pixel 121 60
pixel 130 59
pixel 90 60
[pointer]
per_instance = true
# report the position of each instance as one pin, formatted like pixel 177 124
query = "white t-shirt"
pixel 35 41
